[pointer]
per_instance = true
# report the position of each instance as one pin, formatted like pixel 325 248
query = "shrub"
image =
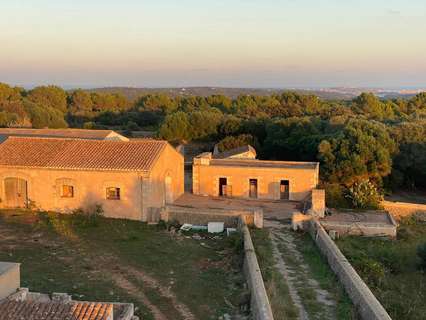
pixel 373 271
pixel 335 196
pixel 89 218
pixel 364 195
pixel 421 253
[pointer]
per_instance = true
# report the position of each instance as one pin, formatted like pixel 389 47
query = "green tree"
pixel 157 103
pixel 45 117
pixel 80 102
pixel 233 142
pixel 49 96
pixel 204 124
pixel 409 163
pixel 361 151
pixel 295 138
pixel 175 127
pixel 12 106
pixel 369 105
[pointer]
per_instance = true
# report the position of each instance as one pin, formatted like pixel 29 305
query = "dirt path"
pixel 124 274
pixel 311 301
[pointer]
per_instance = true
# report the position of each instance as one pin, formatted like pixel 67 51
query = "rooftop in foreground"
pixel 34 310
pixel 80 154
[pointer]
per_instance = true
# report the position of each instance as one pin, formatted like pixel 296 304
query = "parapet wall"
pixel 367 305
pixel 259 301
pixel 403 209
pixel 198 216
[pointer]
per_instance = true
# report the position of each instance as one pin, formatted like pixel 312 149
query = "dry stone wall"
pixel 367 305
pixel 260 306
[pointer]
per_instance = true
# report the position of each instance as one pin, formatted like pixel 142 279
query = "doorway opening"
pixel 284 190
pixel 16 194
pixel 222 187
pixel 253 188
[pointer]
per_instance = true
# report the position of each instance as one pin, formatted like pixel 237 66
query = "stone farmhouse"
pixel 237 173
pixel 130 179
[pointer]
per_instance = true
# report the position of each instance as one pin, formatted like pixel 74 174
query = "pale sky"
pixel 250 43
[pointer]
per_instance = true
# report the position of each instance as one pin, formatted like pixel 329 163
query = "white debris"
pixel 186 227
pixel 230 230
pixel 215 227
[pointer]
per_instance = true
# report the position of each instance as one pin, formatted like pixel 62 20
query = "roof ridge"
pixel 143 140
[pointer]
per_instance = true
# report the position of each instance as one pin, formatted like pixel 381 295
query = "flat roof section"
pixel 263 164
pixel 6 266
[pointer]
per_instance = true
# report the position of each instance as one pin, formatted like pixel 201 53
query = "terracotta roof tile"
pixel 32 310
pixel 57 133
pixel 80 154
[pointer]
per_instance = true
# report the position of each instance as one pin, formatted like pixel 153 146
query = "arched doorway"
pixel 16 193
pixel 168 189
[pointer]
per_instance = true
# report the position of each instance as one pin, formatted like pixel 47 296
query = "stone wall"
pixel 403 209
pixel 259 301
pixel 199 216
pixel 367 305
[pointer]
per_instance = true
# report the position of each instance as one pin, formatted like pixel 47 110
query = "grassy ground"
pixel 277 289
pixel 391 269
pixel 162 273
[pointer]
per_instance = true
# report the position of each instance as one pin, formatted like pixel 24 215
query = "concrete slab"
pixel 271 209
pixel 368 223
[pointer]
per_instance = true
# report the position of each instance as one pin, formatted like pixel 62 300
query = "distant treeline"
pixel 366 139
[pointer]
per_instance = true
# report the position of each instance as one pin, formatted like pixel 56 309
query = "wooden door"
pixel 253 188
pixel 15 193
pixel 222 186
pixel 284 190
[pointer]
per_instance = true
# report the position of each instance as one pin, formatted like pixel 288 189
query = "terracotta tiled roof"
pixel 58 133
pixel 31 310
pixel 81 154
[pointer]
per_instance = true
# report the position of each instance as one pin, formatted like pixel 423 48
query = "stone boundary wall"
pixel 367 305
pixel 259 301
pixel 201 216
pixel 403 209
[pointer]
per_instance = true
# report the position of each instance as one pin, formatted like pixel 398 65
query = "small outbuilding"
pixel 237 173
pixel 129 179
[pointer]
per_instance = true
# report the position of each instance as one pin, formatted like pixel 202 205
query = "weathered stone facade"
pixel 251 178
pixel 139 190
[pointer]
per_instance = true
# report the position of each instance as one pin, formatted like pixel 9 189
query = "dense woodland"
pixel 366 145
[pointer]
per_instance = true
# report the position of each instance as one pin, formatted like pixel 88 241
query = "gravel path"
pixel 311 301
